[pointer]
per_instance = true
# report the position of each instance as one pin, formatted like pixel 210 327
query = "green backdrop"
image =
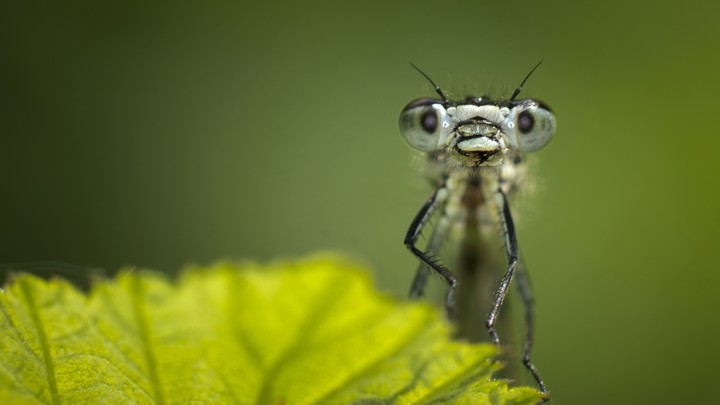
pixel 156 135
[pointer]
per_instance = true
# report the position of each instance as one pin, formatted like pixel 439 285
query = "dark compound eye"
pixel 429 121
pixel 534 126
pixel 421 124
pixel 525 122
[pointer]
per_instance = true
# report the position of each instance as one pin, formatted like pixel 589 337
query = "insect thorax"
pixel 508 174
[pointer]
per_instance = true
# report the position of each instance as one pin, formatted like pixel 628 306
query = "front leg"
pixel 511 250
pixel 523 285
pixel 432 248
pixel 437 199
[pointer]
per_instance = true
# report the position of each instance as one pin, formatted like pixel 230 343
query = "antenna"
pixel 517 91
pixel 437 88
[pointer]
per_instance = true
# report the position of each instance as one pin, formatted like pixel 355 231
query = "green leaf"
pixel 308 332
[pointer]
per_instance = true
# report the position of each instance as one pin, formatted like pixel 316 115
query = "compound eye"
pixel 532 124
pixel 422 122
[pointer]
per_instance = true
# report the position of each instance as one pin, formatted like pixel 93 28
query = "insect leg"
pixel 525 291
pixel 511 250
pixel 417 288
pixel 433 246
pixel 436 200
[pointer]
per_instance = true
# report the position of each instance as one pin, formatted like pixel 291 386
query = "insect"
pixel 475 152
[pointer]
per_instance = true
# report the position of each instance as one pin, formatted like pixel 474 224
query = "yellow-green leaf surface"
pixel 307 332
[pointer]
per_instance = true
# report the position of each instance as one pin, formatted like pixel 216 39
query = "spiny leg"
pixel 511 250
pixel 525 291
pixel 437 199
pixel 417 289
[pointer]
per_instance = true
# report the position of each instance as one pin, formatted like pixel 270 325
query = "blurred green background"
pixel 160 134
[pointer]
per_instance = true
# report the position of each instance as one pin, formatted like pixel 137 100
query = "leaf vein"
pixel 473 370
pixel 14 329
pixel 365 371
pixel 42 338
pixel 122 372
pixel 138 301
pixel 314 315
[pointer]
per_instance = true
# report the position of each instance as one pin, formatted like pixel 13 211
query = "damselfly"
pixel 475 151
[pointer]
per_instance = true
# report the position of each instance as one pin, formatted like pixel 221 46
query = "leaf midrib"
pixel 317 313
pixel 42 339
pixel 358 374
pixel 138 301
